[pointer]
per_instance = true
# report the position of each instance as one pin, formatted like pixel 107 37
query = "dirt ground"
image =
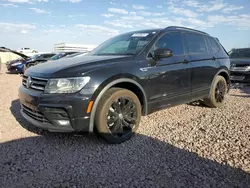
pixel 184 146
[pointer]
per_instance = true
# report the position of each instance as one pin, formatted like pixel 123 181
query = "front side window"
pixel 172 41
pixel 126 44
pixel 196 43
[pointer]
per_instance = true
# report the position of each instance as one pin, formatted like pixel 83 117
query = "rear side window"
pixel 196 43
pixel 214 45
pixel 172 41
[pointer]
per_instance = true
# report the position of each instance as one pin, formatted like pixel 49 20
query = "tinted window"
pixel 171 41
pixel 240 53
pixel 214 45
pixel 196 43
pixel 48 55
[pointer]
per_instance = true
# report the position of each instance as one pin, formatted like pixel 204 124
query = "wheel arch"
pixel 126 83
pixel 224 73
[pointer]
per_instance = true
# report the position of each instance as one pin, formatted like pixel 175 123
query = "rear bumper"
pixel 48 111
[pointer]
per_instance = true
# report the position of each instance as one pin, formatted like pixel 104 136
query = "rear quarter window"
pixel 196 43
pixel 214 45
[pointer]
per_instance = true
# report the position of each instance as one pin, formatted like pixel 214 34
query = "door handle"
pixel 185 61
pixel 213 58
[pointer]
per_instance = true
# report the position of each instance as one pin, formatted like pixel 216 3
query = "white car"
pixel 27 51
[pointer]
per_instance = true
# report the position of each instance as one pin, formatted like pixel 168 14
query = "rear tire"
pixel 217 93
pixel 118 115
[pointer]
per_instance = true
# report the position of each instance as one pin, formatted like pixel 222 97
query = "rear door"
pixel 203 62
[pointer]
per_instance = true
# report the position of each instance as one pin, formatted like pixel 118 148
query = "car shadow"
pixel 198 103
pixel 69 160
pixel 243 96
pixel 244 90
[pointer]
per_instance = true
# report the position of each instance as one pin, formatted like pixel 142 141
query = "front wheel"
pixel 118 115
pixel 217 93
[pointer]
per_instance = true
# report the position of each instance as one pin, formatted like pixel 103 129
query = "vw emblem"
pixel 29 82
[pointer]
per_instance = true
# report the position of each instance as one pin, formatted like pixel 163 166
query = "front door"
pixel 169 78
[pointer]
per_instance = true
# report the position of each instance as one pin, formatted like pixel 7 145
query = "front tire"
pixel 118 115
pixel 217 93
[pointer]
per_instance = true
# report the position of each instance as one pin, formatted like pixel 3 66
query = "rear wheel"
pixel 118 115
pixel 217 93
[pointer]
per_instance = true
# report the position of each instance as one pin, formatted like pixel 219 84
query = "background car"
pixel 43 60
pixel 37 57
pixel 12 65
pixel 28 51
pixel 240 65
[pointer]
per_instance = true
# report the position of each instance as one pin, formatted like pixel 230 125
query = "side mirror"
pixel 162 53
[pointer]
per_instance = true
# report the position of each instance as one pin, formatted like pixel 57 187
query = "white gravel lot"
pixel 184 146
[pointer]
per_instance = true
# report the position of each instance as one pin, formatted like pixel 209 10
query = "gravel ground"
pixel 185 146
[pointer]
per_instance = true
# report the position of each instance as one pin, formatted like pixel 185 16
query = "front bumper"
pixel 46 111
pixel 240 77
pixel 11 69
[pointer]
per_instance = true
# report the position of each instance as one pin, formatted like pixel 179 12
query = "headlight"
pixel 15 64
pixel 248 68
pixel 66 85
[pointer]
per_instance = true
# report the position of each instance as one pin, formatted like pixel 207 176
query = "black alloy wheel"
pixel 121 117
pixel 118 115
pixel 220 91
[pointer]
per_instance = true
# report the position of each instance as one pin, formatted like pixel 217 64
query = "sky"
pixel 39 24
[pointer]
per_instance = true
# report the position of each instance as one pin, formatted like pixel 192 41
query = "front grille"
pixel 242 65
pixel 34 114
pixel 240 69
pixel 34 83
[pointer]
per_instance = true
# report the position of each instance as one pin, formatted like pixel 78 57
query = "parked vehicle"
pixel 36 58
pixel 240 65
pixel 17 66
pixel 130 75
pixel 28 51
pixel 43 60
pixel 12 66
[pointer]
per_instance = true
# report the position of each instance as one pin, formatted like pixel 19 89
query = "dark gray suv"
pixel 128 76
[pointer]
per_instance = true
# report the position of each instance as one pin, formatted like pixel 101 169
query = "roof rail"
pixel 185 28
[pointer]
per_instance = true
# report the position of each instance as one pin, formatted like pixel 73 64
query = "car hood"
pixel 240 61
pixel 56 67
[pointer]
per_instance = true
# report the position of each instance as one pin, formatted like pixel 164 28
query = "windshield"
pixel 240 53
pixel 35 56
pixel 126 44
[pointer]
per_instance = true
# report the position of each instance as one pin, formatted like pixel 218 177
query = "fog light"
pixel 63 122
